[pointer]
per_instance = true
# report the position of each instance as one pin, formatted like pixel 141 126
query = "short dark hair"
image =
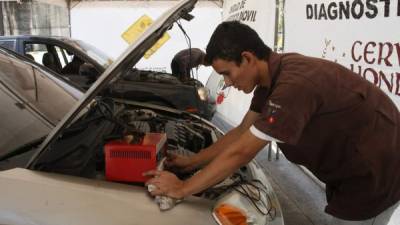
pixel 232 38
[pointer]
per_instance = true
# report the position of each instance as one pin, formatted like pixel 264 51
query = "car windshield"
pixel 94 53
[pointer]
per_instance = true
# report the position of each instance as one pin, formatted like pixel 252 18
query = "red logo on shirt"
pixel 271 120
pixel 272 110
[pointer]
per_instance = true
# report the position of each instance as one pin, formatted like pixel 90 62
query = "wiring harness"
pixel 254 190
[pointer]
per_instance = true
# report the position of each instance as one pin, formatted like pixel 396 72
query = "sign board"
pixel 362 35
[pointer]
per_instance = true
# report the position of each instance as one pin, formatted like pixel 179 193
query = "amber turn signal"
pixel 227 214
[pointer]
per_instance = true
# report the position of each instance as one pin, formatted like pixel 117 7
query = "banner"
pixel 362 35
pixel 259 15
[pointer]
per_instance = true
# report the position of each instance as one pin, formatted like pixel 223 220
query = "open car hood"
pixel 126 60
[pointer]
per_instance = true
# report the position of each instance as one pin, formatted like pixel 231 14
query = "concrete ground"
pixel 302 199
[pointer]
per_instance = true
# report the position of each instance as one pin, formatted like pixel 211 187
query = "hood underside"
pixel 126 61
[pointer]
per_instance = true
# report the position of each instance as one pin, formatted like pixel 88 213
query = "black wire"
pixel 189 43
pixel 242 187
pixel 111 117
pixel 244 190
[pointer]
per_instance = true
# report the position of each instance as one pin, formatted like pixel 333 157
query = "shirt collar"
pixel 274 65
pixel 274 62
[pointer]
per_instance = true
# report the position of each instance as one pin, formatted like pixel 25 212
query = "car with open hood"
pixel 56 174
pixel 80 64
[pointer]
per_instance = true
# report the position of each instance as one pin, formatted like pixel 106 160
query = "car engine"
pixel 79 150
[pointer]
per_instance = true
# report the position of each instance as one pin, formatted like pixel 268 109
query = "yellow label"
pixel 140 26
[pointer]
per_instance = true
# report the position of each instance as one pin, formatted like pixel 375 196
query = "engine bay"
pixel 79 150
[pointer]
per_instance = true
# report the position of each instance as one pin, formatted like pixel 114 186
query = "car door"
pixel 35 88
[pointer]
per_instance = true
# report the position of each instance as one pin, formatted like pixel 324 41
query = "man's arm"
pixel 236 154
pixel 207 154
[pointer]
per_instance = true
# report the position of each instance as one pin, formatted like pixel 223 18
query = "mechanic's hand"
pixel 179 162
pixel 167 184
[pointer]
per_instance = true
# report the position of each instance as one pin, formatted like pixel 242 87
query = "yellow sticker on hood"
pixel 136 29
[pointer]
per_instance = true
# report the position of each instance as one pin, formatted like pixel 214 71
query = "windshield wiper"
pixel 22 149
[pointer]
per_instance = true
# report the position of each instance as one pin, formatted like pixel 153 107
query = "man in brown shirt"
pixel 341 127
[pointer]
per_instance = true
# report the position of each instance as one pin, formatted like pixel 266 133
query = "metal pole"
pixel 270 151
pixel 277 152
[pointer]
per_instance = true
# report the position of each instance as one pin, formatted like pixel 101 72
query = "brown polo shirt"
pixel 341 127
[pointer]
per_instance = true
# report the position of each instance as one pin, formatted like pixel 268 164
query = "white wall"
pixel 101 23
pixel 41 17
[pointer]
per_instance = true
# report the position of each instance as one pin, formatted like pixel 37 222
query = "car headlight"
pixel 203 93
